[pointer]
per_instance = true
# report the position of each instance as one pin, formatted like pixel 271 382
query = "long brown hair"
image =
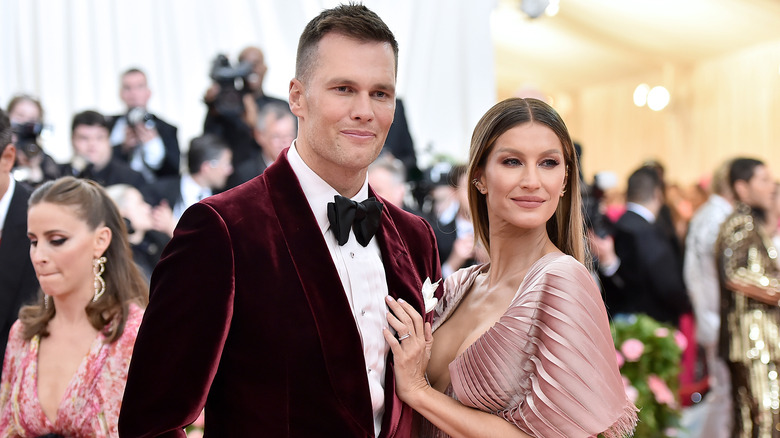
pixel 566 226
pixel 124 282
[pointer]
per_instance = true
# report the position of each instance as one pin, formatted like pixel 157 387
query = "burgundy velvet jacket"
pixel 248 317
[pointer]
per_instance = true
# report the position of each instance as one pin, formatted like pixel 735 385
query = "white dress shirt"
pixel 191 192
pixel 5 202
pixel 362 275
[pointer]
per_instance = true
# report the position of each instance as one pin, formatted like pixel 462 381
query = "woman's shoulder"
pixel 455 288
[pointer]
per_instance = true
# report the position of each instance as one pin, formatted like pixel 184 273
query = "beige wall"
pixel 721 108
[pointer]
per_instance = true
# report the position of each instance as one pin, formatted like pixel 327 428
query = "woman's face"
pixel 523 177
pixel 62 248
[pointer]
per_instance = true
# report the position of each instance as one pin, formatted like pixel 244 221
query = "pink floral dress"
pixel 90 405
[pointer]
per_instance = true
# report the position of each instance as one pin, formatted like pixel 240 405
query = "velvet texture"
pixel 247 315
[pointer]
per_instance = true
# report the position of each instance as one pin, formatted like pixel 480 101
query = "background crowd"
pixel 701 258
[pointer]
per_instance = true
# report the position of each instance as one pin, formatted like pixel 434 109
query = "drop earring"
pixel 98 266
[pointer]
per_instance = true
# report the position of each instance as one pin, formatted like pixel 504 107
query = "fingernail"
pixel 389 298
pixel 401 300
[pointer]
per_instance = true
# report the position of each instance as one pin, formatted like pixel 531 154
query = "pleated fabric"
pixel 548 365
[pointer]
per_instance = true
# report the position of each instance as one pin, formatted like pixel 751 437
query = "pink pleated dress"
pixel 548 365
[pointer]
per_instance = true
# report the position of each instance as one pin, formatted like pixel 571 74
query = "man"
pixel 701 278
pixel 208 161
pixel 644 274
pixel 233 117
pixel 261 310
pixel 141 139
pixel 276 128
pixel 18 282
pixel 93 158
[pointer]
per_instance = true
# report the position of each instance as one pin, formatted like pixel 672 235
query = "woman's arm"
pixel 411 356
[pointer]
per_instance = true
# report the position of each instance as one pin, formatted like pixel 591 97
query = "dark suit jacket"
pixel 249 315
pixel 170 139
pixel 649 279
pixel 115 172
pixel 18 283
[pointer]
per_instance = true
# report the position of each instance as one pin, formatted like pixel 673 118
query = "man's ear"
pixel 741 189
pixel 8 158
pixel 297 98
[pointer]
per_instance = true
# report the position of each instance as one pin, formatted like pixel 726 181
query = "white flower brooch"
pixel 428 290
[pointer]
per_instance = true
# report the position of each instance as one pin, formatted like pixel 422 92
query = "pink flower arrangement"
pixel 620 359
pixel 661 392
pixel 632 349
pixel 681 340
pixel 661 332
pixel 631 392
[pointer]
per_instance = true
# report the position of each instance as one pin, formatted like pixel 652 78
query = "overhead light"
pixel 640 94
pixel 658 98
pixel 552 9
pixel 534 8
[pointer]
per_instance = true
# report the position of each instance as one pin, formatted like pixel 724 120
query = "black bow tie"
pixel 362 217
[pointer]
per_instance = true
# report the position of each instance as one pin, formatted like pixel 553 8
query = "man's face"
pixel 277 135
pixel 92 143
pixel 217 171
pixel 255 57
pixel 134 91
pixel 346 107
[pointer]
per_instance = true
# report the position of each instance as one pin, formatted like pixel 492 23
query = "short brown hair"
pixel 352 20
pixel 566 227
pixel 124 282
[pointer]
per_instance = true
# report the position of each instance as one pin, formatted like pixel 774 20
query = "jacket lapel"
pixel 339 338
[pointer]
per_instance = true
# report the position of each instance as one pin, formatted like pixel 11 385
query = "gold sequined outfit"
pixel 750 332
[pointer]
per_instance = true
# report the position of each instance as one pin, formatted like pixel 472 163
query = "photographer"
pixel 32 166
pixel 144 141
pixel 234 100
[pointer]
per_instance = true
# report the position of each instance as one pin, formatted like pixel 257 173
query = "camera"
pixel 27 137
pixel 138 116
pixel 232 81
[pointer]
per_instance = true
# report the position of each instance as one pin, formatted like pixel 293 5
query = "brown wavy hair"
pixel 566 227
pixel 124 282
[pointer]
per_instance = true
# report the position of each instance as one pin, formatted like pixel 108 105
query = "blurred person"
pixel 147 238
pixel 455 239
pixel 33 165
pixel 750 288
pixel 233 114
pixel 642 272
pixel 521 346
pixel 92 155
pixel 66 362
pixel 387 176
pixel 276 285
pixel 141 139
pixel 774 219
pixel 276 129
pixel 399 143
pixel 208 161
pixel 701 280
pixel 18 282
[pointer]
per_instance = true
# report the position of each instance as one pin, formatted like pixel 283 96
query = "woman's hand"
pixel 411 350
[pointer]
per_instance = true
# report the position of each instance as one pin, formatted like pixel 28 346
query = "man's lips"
pixel 358 133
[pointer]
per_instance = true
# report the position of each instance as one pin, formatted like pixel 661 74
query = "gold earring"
pixel 98 266
pixel 563 193
pixel 45 301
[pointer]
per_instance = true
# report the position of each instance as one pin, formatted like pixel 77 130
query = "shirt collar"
pixel 191 191
pixel 641 210
pixel 5 201
pixel 318 192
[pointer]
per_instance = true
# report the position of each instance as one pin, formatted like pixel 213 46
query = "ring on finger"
pixel 401 338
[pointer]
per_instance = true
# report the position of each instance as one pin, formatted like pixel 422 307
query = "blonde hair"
pixel 566 228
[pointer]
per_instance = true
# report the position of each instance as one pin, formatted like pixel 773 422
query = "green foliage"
pixel 660 357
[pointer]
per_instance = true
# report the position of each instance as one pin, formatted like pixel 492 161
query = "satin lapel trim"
pixel 339 338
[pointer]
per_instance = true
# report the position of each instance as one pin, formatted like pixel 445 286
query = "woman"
pixel 32 166
pixel 522 344
pixel 66 362
pixel 750 288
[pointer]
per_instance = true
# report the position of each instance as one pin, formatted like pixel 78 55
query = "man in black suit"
pixel 208 160
pixel 139 138
pixel 646 274
pixel 18 282
pixel 92 155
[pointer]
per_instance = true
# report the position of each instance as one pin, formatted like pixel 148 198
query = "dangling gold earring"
pixel 98 266
pixel 563 193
